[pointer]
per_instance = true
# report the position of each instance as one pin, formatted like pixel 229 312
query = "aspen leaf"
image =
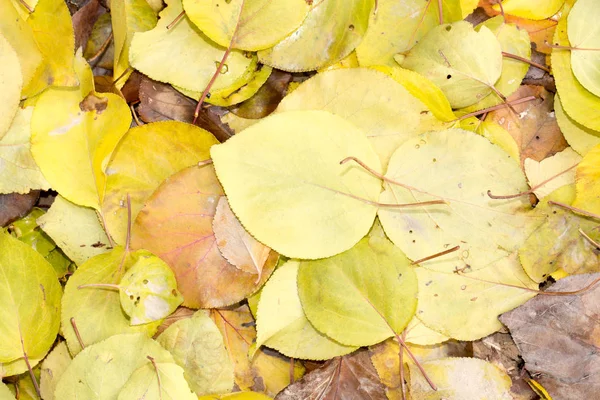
pixel 531 9
pixel 148 291
pixel 30 295
pixel 240 20
pixel 464 63
pixel 369 99
pixel 460 379
pixel 159 53
pixel 157 382
pixel 557 243
pixel 578 103
pixel 235 244
pixel 11 83
pixel 197 346
pixel 128 17
pixel 75 229
pixel 90 305
pixel 579 137
pixel 53 366
pixel 584 32
pixel 331 30
pixel 73 134
pixel 19 172
pixel 282 324
pixel 362 296
pixel 587 182
pixel 146 156
pixel 290 162
pixel 176 225
pixel 101 370
pixel 539 172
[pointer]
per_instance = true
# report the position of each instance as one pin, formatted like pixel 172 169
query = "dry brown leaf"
pixel 266 100
pixel 84 20
pixel 14 206
pixel 558 338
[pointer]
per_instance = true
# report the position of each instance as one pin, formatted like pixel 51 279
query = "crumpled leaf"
pixel 128 17
pixel 464 63
pixel 148 291
pixel 349 377
pixel 146 156
pixel 548 168
pixel 235 244
pixel 531 9
pixel 75 229
pixel 197 346
pixel 265 372
pixel 289 178
pixel 239 21
pixel 362 296
pixel 159 53
pixel 176 225
pixel 30 294
pixel 19 172
pixel 88 306
pixel 578 103
pixel 11 83
pixel 534 128
pixel 459 379
pixel 579 137
pixel 282 324
pixel 53 366
pixel 369 99
pixel 331 30
pixel 73 134
pixel 101 370
pixel 556 336
pixel 587 182
pixel 157 382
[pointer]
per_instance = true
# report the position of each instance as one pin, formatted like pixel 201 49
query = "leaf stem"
pixel 574 209
pixel 525 60
pixel 96 57
pixel 212 81
pixel 99 285
pixel 29 9
pixel 31 374
pixel 440 12
pixel 401 360
pixel 559 47
pixel 530 191
pixel 494 108
pixel 157 376
pixel 176 20
pixel 589 239
pixel 77 335
pixel 441 253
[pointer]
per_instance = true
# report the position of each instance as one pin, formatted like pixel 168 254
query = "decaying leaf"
pixel 14 206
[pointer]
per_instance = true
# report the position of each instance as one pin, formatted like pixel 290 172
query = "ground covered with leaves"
pixel 299 199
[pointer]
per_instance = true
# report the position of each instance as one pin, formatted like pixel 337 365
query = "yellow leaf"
pixel 237 396
pixel 74 132
pixel 418 333
pixel 539 172
pixel 241 20
pixel 584 32
pixel 498 136
pixel 290 162
pixel 53 367
pixel 146 156
pixel 11 82
pixel 579 137
pixel 160 53
pixel 153 381
pixel 531 9
pixel 331 31
pixel 18 171
pixel 588 182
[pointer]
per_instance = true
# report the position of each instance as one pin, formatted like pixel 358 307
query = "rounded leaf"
pixel 584 32
pixel 157 382
pixel 11 83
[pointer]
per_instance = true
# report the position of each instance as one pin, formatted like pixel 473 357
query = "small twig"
pixel 77 335
pixel 441 253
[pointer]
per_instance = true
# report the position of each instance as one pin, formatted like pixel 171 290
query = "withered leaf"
pixel 14 206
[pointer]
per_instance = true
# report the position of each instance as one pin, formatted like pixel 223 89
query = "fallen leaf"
pixel 587 183
pixel 83 22
pixel 539 172
pixel 11 83
pixel 14 206
pixel 154 380
pixel 53 366
pixel 579 137
pixel 531 9
pixel 584 31
pixel 267 98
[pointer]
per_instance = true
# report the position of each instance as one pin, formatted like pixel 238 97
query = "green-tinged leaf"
pixel 332 29
pixel 369 99
pixel 30 297
pixel 5 393
pixel 128 17
pixel 18 171
pixel 73 134
pixel 97 311
pixel 578 103
pixel 584 32
pixel 148 291
pixel 288 163
pixel 160 53
pixel 159 381
pixel 397 26
pixel 558 242
pixel 11 83
pixel 281 323
pixel 464 63
pixel 362 296
pixel 550 172
pixel 579 137
pixel 101 370
pixel 251 24
pixel 145 157
pixel 75 229
pixel 460 379
pixel 197 346
pixel 52 369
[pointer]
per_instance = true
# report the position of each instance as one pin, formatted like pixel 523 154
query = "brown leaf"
pixel 534 128
pixel 14 206
pixel 179 314
pixel 558 337
pixel 351 377
pixel 84 20
pixel 160 102
pixel 266 100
